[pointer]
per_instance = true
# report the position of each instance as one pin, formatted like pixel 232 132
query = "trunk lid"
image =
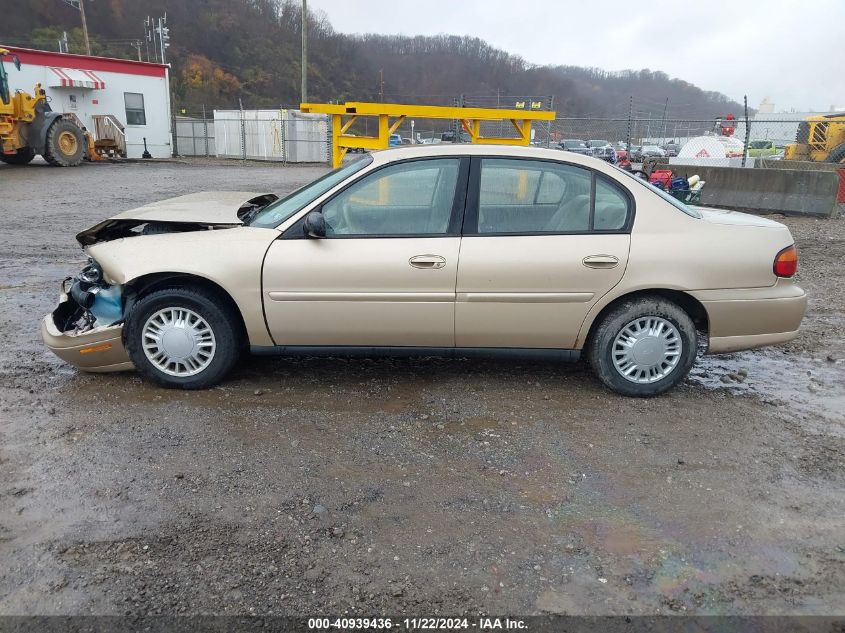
pixel 736 218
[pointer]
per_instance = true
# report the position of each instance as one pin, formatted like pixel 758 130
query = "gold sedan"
pixel 431 250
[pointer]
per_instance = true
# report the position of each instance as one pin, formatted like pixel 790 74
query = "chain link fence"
pixel 287 135
pixel 714 142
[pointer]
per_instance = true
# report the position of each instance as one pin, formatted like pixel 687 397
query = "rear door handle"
pixel 427 261
pixel 600 261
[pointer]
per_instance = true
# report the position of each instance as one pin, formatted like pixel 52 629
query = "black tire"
pixel 216 312
pixel 23 156
pixel 60 153
pixel 600 347
pixel 837 155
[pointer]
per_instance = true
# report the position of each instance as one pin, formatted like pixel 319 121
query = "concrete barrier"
pixel 778 190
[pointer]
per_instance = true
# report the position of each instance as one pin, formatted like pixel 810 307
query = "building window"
pixel 134 108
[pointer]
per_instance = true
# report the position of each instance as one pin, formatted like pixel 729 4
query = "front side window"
pixel 135 114
pixel 527 196
pixel 410 198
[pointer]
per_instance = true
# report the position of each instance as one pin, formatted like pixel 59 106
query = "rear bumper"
pixel 97 350
pixel 753 317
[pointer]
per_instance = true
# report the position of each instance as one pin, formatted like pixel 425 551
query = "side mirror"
pixel 314 225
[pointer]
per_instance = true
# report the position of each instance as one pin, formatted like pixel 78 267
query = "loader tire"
pixel 837 154
pixel 21 157
pixel 65 145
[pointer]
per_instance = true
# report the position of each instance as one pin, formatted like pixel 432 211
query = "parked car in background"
pixel 671 149
pixel 449 137
pixel 596 145
pixel 603 150
pixel 652 151
pixel 395 140
pixel 636 153
pixel 575 145
pixel 430 250
pixel 762 149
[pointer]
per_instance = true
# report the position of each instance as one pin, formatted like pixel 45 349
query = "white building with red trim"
pixel 135 93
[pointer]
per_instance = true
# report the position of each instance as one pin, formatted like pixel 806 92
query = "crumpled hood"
pixel 206 207
pixel 193 211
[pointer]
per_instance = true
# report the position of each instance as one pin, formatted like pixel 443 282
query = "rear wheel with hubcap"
pixel 183 337
pixel 643 347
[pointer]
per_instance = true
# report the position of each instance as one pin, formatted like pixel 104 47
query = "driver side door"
pixel 385 272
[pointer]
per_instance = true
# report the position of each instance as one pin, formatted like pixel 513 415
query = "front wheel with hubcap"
pixel 643 347
pixel 182 337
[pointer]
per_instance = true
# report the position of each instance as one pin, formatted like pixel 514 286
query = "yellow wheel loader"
pixel 28 126
pixel 820 138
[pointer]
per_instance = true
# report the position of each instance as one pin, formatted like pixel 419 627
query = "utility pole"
pixel 163 37
pixel 665 110
pixel 304 51
pixel 79 5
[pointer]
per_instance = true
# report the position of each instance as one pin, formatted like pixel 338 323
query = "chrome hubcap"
pixel 178 342
pixel 646 350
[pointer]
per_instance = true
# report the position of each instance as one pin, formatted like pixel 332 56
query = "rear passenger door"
pixel 542 241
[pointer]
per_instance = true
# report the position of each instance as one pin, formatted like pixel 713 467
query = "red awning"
pixel 75 78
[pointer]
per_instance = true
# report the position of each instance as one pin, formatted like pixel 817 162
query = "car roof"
pixel 384 156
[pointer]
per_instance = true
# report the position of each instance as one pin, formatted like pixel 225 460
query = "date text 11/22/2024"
pixel 417 624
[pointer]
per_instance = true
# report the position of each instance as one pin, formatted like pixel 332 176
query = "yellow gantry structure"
pixel 470 119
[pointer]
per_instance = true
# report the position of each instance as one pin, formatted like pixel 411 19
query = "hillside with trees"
pixel 223 51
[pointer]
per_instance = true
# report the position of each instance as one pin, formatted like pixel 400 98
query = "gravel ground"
pixel 405 486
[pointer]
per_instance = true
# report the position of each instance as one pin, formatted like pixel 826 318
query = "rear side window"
pixel 527 196
pixel 611 207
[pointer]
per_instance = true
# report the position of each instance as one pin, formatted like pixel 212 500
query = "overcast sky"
pixel 788 50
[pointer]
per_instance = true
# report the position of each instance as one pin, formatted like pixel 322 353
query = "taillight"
pixel 786 262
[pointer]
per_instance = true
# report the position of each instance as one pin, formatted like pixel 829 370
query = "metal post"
pixel 175 134
pixel 304 51
pixel 630 117
pixel 205 129
pixel 665 109
pixel 243 130
pixel 747 131
pixel 283 129
pixel 549 131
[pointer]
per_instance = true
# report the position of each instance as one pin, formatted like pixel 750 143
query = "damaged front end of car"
pixel 86 328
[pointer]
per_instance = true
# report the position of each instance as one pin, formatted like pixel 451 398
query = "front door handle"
pixel 600 261
pixel 427 261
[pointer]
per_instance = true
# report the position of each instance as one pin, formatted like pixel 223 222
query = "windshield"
pixel 274 214
pixel 670 199
pixel 574 144
pixel 759 144
pixel 598 143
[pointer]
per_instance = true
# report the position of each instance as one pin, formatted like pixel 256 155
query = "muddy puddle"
pixel 806 385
